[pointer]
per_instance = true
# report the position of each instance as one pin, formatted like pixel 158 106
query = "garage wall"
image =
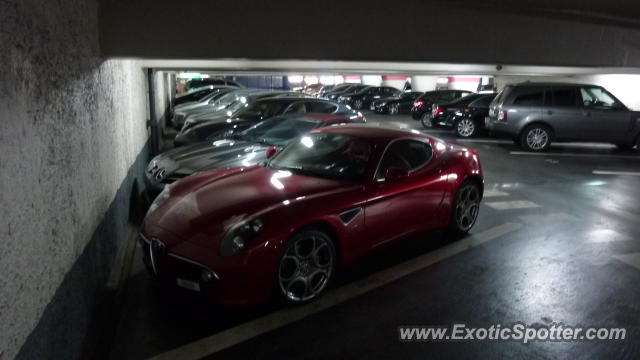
pixel 72 144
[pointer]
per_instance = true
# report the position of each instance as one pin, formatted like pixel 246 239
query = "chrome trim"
pixel 215 274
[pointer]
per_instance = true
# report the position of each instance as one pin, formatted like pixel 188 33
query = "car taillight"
pixel 361 117
pixel 502 116
pixel 418 103
pixel 437 110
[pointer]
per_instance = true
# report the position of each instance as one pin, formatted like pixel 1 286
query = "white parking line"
pixel 512 205
pixel 493 193
pixel 548 219
pixel 607 172
pixel 485 141
pixel 275 320
pixel 525 153
pixel 606 235
pixel 630 259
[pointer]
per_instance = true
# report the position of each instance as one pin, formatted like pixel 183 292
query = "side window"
pixel 529 96
pixel 597 98
pixel 296 108
pixel 404 154
pixel 321 107
pixel 563 96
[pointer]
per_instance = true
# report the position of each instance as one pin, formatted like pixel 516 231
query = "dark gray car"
pixel 536 114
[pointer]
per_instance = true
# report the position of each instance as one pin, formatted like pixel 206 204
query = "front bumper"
pixel 240 280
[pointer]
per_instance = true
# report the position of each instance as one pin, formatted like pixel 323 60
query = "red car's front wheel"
pixel 306 266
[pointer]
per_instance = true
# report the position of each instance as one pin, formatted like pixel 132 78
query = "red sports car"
pixel 243 235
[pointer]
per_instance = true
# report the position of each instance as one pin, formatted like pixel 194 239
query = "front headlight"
pixel 239 235
pixel 159 200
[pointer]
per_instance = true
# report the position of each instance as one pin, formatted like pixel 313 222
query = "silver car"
pixel 536 114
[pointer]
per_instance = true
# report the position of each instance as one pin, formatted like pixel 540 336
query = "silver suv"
pixel 536 114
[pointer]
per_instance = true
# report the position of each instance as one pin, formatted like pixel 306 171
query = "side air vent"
pixel 348 216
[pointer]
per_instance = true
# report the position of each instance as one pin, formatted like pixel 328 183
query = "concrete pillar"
pixel 423 83
pixel 394 81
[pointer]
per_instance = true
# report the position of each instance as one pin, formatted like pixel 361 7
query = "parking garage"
pixel 111 203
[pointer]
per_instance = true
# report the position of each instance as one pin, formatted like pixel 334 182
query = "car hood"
pixel 202 207
pixel 219 154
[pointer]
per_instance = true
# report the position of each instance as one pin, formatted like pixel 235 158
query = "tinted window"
pixel 279 131
pixel 404 154
pixel 482 102
pixel 321 107
pixel 529 96
pixel 563 96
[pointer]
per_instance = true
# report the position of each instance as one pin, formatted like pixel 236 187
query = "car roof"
pixel 550 83
pixel 373 132
pixel 316 117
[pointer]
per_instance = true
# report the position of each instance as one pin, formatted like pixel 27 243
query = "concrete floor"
pixel 554 243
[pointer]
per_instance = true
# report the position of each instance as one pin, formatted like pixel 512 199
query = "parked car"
pixel 243 235
pixel 312 89
pixel 470 121
pixel 193 95
pixel 421 108
pixel 238 118
pixel 363 97
pixel 334 88
pixel 536 114
pixel 400 104
pixel 217 103
pixel 442 115
pixel 196 83
pixel 334 94
pixel 243 148
pixel 233 103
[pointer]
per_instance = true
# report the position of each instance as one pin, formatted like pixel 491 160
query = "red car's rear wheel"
pixel 466 207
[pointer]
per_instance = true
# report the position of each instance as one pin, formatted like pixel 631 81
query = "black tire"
pixel 466 128
pixel 426 120
pixel 536 138
pixel 465 209
pixel 295 269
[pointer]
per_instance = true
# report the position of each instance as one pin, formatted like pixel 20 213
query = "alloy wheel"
pixel 358 104
pixel 306 267
pixel 537 138
pixel 466 128
pixel 426 121
pixel 467 207
pixel 393 109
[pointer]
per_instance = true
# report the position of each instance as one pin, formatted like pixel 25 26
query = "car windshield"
pixel 279 131
pixel 329 155
pixel 265 108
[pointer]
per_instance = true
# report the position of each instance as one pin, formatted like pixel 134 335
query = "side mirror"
pixel 396 174
pixel 272 150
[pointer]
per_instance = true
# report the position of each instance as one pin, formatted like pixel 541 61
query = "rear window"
pixel 529 96
pixel 482 102
pixel 503 94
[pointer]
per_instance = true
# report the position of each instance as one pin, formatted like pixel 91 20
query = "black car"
pixel 441 113
pixel 363 97
pixel 193 95
pixel 395 104
pixel 421 108
pixel 333 88
pixel 256 111
pixel 334 94
pixel 242 149
pixel 470 121
pixel 196 83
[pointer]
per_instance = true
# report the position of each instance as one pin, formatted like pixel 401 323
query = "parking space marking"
pixel 623 173
pixel 485 141
pixel 280 318
pixel 630 259
pixel 606 235
pixel 547 219
pixel 512 205
pixel 525 153
pixel 493 193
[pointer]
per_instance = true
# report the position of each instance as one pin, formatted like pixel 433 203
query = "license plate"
pixel 191 285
